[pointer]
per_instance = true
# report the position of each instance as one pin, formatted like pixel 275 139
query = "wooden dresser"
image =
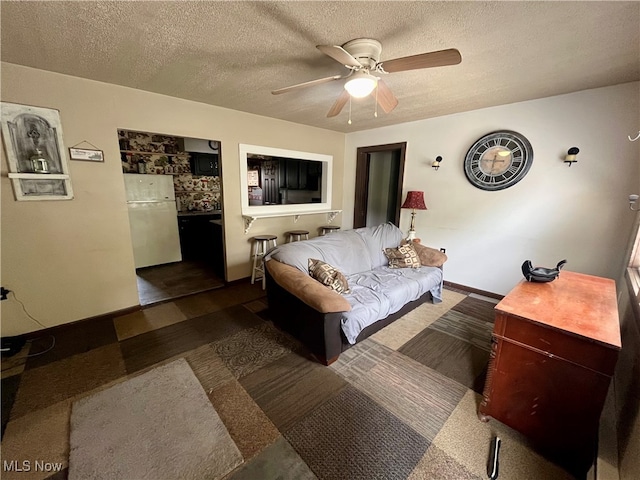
pixel 554 351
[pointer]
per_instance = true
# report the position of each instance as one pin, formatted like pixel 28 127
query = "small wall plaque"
pixel 86 154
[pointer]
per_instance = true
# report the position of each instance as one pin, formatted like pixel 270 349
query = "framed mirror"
pixel 275 181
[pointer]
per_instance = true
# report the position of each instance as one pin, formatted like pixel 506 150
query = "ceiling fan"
pixel 362 57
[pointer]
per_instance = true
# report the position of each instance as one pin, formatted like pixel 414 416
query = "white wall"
pixel 69 260
pixel 579 212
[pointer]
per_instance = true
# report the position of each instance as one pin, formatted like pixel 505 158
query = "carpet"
pixel 279 461
pixel 456 345
pixel 352 437
pixel 159 425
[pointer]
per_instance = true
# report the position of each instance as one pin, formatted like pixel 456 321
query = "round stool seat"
pixel 260 245
pixel 296 235
pixel 265 237
pixel 328 229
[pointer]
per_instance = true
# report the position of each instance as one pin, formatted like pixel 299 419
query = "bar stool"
pixel 260 246
pixel 296 235
pixel 328 229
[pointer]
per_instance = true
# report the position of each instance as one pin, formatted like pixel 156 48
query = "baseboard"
pixel 117 313
pixel 477 291
pixel 56 329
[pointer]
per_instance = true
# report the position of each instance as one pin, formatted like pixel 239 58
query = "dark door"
pixel 379 173
pixel 270 191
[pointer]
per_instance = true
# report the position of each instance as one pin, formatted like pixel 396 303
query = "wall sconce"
pixel 436 165
pixel 570 158
pixel 632 201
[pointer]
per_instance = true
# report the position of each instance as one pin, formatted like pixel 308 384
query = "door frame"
pixel 363 161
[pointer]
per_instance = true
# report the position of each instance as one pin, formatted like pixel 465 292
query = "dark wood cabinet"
pixel 292 173
pixel 217 248
pixel 300 174
pixel 204 164
pixel 201 240
pixel 554 350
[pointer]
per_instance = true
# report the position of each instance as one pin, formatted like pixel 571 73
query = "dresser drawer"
pixel 553 342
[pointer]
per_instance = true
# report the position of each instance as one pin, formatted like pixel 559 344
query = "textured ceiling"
pixel 232 54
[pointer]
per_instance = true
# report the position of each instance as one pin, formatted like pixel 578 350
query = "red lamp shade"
pixel 414 200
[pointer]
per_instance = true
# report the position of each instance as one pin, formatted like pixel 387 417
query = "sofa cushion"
pixel 328 275
pixel 383 291
pixel 377 239
pixel 346 250
pixel 404 256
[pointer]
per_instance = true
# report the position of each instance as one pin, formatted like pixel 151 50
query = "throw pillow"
pixel 328 275
pixel 429 257
pixel 402 257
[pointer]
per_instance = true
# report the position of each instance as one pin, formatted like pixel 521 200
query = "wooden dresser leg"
pixel 483 418
pixel 326 362
pixel 331 360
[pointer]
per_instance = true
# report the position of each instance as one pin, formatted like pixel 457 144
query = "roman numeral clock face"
pixel 498 160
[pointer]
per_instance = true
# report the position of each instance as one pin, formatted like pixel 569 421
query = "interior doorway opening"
pixel 379 176
pixel 174 201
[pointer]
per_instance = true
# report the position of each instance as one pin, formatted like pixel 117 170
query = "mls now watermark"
pixel 29 466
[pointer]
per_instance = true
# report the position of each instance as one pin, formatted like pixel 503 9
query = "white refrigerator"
pixel 153 218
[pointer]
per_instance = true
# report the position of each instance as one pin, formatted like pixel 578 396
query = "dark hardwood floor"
pixel 173 280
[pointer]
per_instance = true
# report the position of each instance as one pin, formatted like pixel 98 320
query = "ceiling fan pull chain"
pixel 349 122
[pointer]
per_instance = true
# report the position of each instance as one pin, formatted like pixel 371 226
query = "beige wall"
pixel 69 260
pixel 579 213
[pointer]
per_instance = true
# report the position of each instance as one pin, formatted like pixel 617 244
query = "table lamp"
pixel 414 201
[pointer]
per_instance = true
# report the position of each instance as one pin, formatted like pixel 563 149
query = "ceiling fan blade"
pixel 440 58
pixel 386 99
pixel 339 54
pixel 340 103
pixel 306 84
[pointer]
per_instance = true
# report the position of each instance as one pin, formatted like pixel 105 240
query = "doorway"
pixel 379 174
pixel 174 202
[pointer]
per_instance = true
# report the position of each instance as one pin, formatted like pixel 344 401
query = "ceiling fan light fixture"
pixel 361 84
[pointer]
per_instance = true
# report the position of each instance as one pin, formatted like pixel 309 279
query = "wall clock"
pixel 498 160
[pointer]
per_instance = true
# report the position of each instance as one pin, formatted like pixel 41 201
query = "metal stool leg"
pixel 263 250
pixel 254 256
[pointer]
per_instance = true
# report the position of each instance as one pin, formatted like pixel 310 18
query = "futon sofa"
pixel 328 322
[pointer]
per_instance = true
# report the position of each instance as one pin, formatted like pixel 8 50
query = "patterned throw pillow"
pixel 429 257
pixel 328 275
pixel 404 256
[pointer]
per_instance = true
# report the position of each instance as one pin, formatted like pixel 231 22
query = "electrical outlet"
pixel 3 293
pixel 443 250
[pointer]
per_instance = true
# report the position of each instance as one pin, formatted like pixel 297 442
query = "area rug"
pixel 159 425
